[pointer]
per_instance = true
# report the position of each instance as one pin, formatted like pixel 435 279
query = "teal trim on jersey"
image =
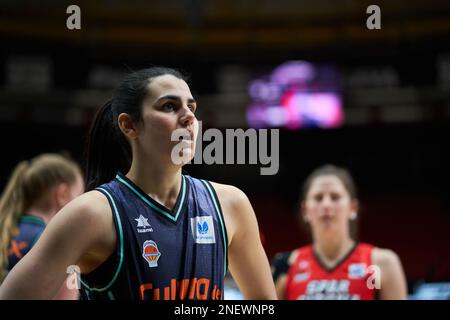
pixel 27 218
pixel 87 294
pixel 167 214
pixel 222 225
pixel 32 219
pixel 111 296
pixel 119 266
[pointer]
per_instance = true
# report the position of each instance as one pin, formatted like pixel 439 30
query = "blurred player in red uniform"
pixel 335 266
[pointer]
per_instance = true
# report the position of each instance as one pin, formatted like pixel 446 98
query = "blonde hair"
pixel 28 184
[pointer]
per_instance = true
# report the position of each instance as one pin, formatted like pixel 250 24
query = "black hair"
pixel 107 150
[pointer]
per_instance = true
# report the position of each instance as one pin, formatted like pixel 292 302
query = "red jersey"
pixel 309 279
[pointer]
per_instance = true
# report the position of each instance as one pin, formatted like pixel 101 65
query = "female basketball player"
pixel 35 192
pixel 144 230
pixel 335 266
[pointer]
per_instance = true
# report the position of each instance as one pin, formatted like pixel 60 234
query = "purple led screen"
pixel 296 95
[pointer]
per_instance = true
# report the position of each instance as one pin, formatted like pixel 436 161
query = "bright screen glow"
pixel 296 95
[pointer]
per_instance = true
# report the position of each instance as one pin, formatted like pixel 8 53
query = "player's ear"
pixel 127 126
pixel 61 194
pixel 354 209
pixel 302 212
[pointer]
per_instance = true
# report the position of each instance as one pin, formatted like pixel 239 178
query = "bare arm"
pixel 76 229
pixel 248 262
pixel 393 282
pixel 66 293
pixel 280 286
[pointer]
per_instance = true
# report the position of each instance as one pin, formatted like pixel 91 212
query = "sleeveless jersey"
pixel 162 254
pixel 309 279
pixel 30 229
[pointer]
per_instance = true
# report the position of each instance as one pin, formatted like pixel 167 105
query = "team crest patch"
pixel 203 229
pixel 151 253
pixel 356 270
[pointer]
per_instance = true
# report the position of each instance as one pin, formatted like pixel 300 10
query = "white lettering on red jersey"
pixel 309 279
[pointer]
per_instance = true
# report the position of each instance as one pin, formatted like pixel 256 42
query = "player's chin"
pixel 327 224
pixel 183 157
pixel 188 153
pixel 188 159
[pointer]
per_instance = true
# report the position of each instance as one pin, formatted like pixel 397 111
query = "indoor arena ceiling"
pixel 208 24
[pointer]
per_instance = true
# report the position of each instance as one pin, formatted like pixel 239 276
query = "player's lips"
pixel 326 219
pixel 188 136
pixel 191 135
pixel 187 140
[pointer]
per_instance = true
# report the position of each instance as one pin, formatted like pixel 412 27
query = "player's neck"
pixel 333 249
pixel 161 183
pixel 39 213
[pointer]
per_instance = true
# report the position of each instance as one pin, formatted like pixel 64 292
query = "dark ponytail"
pixel 108 151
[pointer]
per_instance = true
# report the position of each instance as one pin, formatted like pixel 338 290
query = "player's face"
pixel 68 192
pixel 168 106
pixel 328 205
pixel 76 188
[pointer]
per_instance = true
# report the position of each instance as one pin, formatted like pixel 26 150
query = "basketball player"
pixel 335 266
pixel 35 192
pixel 144 230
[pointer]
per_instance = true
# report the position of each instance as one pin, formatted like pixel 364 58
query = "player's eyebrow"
pixel 176 98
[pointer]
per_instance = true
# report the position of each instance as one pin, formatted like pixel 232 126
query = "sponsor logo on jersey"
pixel 299 277
pixel 16 248
pixel 192 289
pixel 328 290
pixel 203 229
pixel 303 264
pixel 151 253
pixel 143 225
pixel 356 271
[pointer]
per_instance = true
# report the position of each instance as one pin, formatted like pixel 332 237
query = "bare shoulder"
pixel 234 202
pixel 89 213
pixel 92 205
pixel 92 199
pixel 95 201
pixel 293 256
pixel 228 194
pixel 89 219
pixel 236 208
pixel 385 258
pixel 393 284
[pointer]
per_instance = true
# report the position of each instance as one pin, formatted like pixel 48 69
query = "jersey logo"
pixel 356 270
pixel 203 229
pixel 142 224
pixel 151 253
pixel 16 248
pixel 303 265
pixel 299 277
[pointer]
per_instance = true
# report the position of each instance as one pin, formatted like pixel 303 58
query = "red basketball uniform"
pixel 350 279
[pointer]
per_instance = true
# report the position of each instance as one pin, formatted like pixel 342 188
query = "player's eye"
pixel 192 107
pixel 318 197
pixel 169 106
pixel 335 197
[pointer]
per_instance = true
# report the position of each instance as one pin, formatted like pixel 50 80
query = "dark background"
pixel 395 136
